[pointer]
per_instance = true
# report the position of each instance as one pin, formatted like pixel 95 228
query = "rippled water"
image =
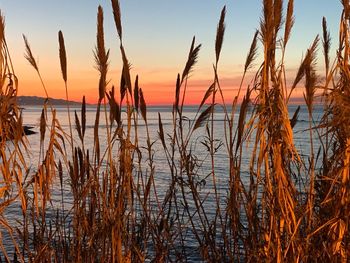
pixel 31 116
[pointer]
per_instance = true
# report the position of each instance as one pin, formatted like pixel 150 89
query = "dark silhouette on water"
pixel 27 130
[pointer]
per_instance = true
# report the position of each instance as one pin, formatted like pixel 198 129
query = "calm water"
pixel 31 116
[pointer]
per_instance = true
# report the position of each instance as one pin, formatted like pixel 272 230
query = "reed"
pixel 282 207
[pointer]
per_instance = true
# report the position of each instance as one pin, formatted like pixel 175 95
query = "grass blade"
pixel 203 117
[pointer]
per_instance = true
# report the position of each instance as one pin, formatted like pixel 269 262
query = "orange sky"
pixel 156 40
pixel 158 84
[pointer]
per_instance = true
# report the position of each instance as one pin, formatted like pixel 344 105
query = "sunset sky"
pixel 157 36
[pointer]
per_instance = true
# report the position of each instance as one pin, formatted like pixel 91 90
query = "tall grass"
pixel 282 207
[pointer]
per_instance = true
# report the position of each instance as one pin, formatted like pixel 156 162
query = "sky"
pixel 157 35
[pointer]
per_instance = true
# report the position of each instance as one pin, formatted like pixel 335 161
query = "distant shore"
pixel 34 100
pixel 39 101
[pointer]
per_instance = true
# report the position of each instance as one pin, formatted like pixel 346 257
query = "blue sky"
pixel 157 35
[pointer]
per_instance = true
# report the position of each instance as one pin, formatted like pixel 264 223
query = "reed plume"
pixel 326 43
pixel 289 22
pixel 177 92
pixel 29 55
pixel 307 64
pixel 207 94
pixel 277 14
pixel 191 60
pixel 220 34
pixel 101 55
pixel 136 93
pixel 143 107
pixel 117 17
pixel 114 108
pixel 2 27
pixel 63 62
pixel 310 74
pixel 252 52
pixel 62 55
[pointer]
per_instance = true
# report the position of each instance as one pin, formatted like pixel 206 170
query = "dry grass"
pixel 283 208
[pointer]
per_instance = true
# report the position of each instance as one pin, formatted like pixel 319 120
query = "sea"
pixel 31 117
